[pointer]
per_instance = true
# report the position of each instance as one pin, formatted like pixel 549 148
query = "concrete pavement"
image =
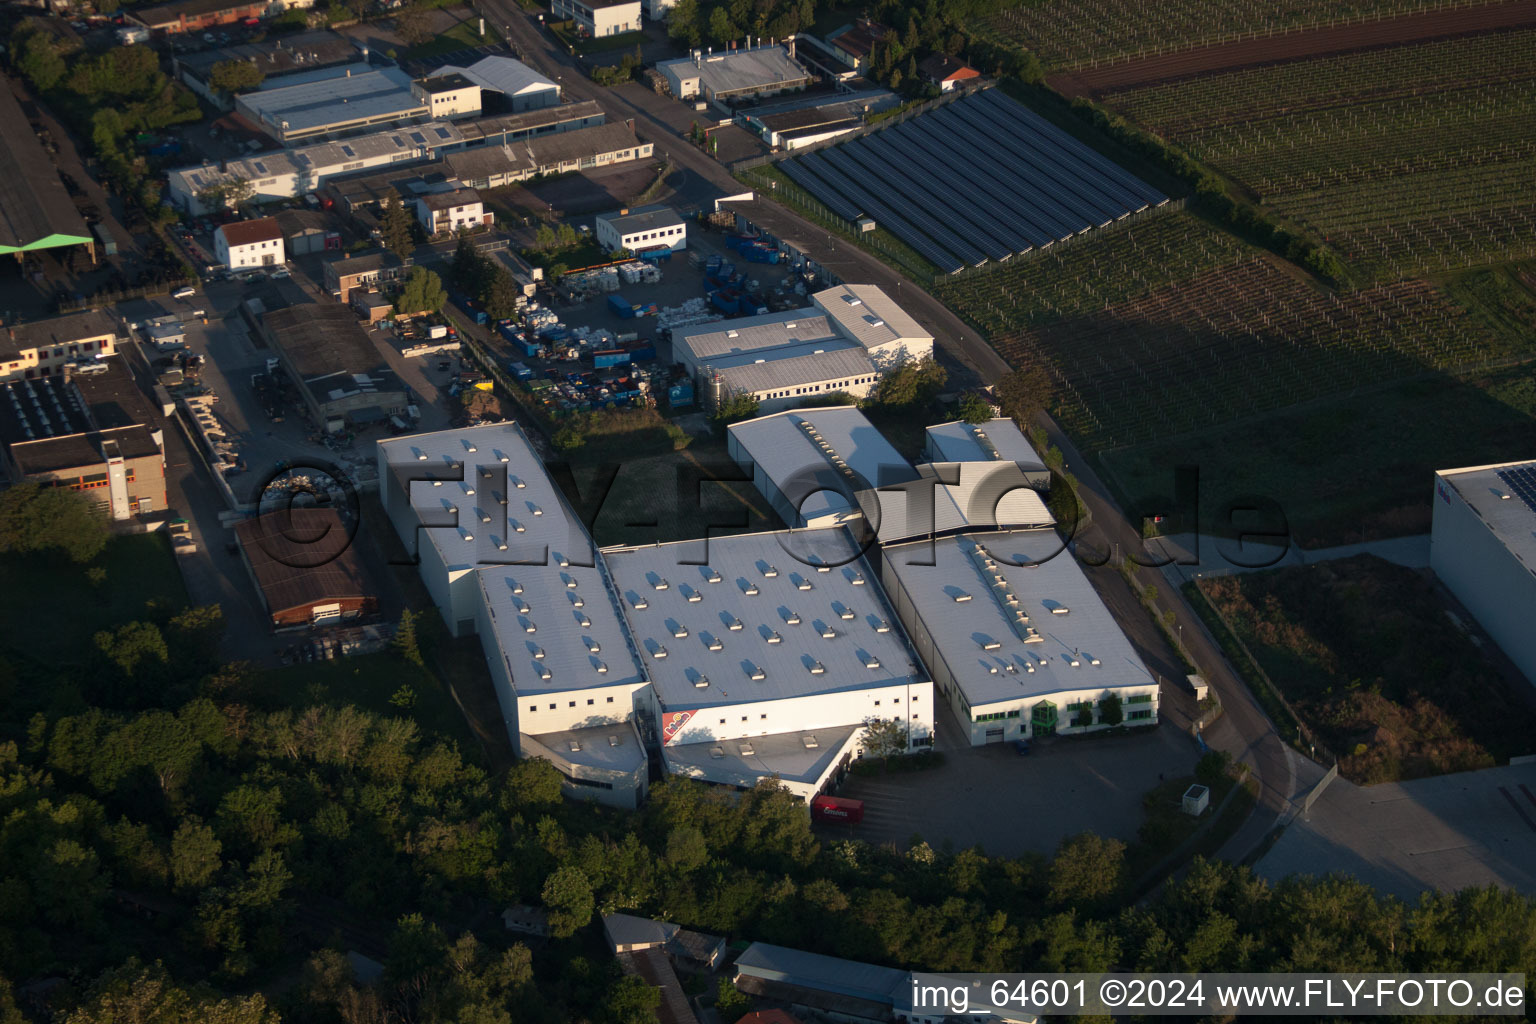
pixel 1209 558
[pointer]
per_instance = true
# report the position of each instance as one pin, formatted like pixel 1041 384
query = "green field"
pixel 1408 160
pixel 462 36
pixel 1082 34
pixel 47 602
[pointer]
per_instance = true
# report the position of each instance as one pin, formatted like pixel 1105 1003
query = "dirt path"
pixel 1410 28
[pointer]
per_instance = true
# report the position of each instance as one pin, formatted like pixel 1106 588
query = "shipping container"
pixel 837 809
pixel 680 396
pixel 520 371
pixel 611 357
pixel 641 351
pixel 620 306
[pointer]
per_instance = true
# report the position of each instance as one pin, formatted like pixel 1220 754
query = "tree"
pixel 913 384
pixel 414 25
pixel 395 229
pixel 686 849
pixel 730 1002
pixel 405 642
pixel 136 649
pixel 502 297
pixel 136 994
pixel 567 895
pixel 734 406
pixel 423 293
pixel 36 518
pixel 974 409
pixel 632 1000
pixel 195 854
pixel 1212 768
pixel 468 270
pixel 1024 392
pixel 232 76
pixel 1086 870
pixel 885 737
pixel 1111 712
pixel 41 62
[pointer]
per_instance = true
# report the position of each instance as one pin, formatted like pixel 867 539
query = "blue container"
pixel 680 395
pixel 620 306
pixel 612 357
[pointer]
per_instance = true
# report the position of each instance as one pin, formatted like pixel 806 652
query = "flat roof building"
pixel 44 347
pixel 599 18
pixel 734 74
pixel 641 229
pixel 196 15
pixel 448 94
pixel 305 567
pixel 503 556
pixel 88 428
pixel 1483 548
pixel 341 373
pixel 843 342
pixel 997 440
pixel 805 122
pixel 277 58
pixel 760 662
pixel 338 101
pixel 1018 641
pixel 558 153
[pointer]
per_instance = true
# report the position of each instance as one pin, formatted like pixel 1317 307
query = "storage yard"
pixel 1047 188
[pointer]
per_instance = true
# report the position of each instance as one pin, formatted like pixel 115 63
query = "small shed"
pixel 1196 800
pixel 1198 685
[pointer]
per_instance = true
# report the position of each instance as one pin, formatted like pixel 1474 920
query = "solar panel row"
pixel 1521 482
pixel 981 178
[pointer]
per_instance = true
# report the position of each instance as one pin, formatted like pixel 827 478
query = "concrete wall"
pixel 1480 570
pixel 809 713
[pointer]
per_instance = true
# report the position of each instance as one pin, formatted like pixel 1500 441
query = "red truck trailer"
pixel 837 808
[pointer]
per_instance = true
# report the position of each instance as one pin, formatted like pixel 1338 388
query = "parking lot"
pixel 1008 805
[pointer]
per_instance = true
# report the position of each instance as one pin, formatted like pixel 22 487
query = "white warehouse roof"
pixel 1504 496
pixel 504 75
pixel 962 595
pixel 757 622
pixel 865 314
pixel 331 99
pixel 997 439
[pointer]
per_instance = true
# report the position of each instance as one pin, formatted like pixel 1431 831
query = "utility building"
pixel 643 229
pixel 599 18
pixel 734 75
pixel 1483 548
pixel 305 567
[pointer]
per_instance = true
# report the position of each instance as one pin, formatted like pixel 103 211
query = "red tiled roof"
pixel 245 232
pixel 941 68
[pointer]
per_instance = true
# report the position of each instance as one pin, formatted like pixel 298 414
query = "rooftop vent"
pixel 714 643
pixel 828 633
pixel 575 747
pixel 756 674
pixel 577 601
pixel 818 669
pixel 593 645
pixel 771 571
pixel 735 625
pixel 661 584
pixel 990 644
pixel 538 653
pixel 846 613
pixel 793 618
pixel 716 752
pixel 602 668
pixel 751 590
pixel 529 626
pixel 746 750
pixel 809 742
pixel 713 577
pixel 701 682
pixel 823 568
pixel 884 626
pixel 641 604
pixel 679 630
pixel 962 597
pixel 613 740
pixel 659 652
pixel 873 662
pixel 775 638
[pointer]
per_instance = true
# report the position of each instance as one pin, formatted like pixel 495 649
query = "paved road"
pixel 1244 731
pixel 1411 552
pixel 659 120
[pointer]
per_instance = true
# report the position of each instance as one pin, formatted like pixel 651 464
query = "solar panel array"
pixel 1521 482
pixel 980 179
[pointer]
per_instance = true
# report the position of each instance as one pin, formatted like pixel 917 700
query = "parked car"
pixel 1021 747
pixel 281 274
pixel 184 293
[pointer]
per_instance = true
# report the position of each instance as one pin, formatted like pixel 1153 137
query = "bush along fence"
pixel 1292 728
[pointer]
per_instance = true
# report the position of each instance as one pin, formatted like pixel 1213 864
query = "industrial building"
pixel 843 342
pixel 306 232
pixel 45 347
pixel 342 377
pixel 196 15
pixel 520 87
pixel 448 94
pixel 734 75
pixel 627 933
pixel 451 211
pixel 1483 548
pixel 577 150
pixel 767 658
pixel 503 556
pixel 36 212
pixel 853 44
pixel 277 58
pixel 242 244
pixel 1017 639
pixel 331 102
pixel 305 567
pixel 89 428
pixel 644 229
pixel 830 466
pixel 520 146
pixel 599 18
pixel 805 122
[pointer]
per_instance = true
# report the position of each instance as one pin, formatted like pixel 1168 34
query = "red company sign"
pixel 672 723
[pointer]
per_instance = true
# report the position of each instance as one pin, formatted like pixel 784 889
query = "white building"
pixel 448 94
pixel 443 213
pixel 599 18
pixel 1483 548
pixel 244 244
pixel 767 660
pixel 647 227
pixel 45 347
pixel 1018 641
pixel 830 466
pixel 332 101
pixel 734 74
pixel 844 341
pixel 502 555
pixel 522 87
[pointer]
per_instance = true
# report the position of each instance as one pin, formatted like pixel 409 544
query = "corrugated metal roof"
pixel 758 622
pixel 869 316
pixel 785 754
pixel 788 368
pixel 998 438
pixel 502 74
pixel 957 594
pixel 644 218
pixel 333 100
pixel 768 67
pixel 787 452
pixel 825 973
pixel 756 333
